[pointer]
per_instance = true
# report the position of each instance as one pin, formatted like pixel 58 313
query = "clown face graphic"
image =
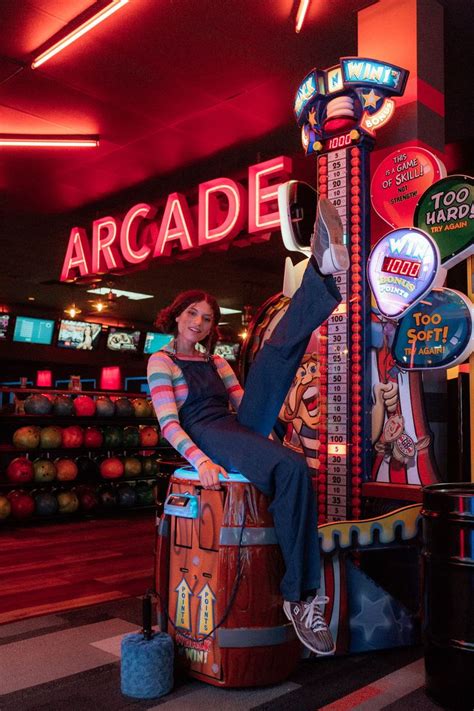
pixel 301 405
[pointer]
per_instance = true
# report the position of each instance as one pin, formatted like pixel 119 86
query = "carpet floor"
pixel 71 661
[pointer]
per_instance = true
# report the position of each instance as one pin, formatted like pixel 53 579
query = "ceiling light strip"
pixel 301 14
pixel 86 26
pixel 50 142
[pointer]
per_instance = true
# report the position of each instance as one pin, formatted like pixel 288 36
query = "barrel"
pixel 224 599
pixel 448 593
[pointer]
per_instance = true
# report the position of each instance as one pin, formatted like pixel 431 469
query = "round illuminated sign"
pixel 436 333
pixel 403 266
pixel 446 212
pixel 400 179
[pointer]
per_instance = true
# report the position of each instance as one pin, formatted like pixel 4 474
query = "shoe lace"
pixel 313 613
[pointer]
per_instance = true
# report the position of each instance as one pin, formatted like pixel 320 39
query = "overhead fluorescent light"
pixel 225 311
pixel 78 32
pixel 49 141
pixel 301 14
pixel 132 295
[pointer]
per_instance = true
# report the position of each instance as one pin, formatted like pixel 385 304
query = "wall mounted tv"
pixel 229 351
pixel 119 339
pixel 4 320
pixel 33 330
pixel 79 335
pixel 155 341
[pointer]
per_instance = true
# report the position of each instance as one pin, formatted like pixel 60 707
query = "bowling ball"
pixel 123 407
pixel 126 496
pixel 132 466
pixel 46 504
pixel 5 507
pixel 26 437
pixel 104 406
pixel 38 405
pixel 131 437
pixel 20 470
pixel 149 436
pixel 22 504
pixel 112 437
pixel 84 406
pixel 93 437
pixel 67 502
pixel 66 469
pixel 108 496
pixel 63 406
pixel 73 437
pixel 44 470
pixel 149 465
pixel 111 468
pixel 141 407
pixel 144 493
pixel 51 437
pixel 88 498
pixel 87 468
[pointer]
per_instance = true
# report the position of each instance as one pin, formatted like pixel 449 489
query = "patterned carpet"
pixel 71 661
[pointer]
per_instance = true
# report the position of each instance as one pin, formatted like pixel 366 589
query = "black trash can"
pixel 448 593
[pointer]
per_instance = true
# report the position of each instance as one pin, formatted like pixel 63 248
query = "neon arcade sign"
pixel 225 209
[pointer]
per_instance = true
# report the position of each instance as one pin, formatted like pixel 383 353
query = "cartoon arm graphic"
pixel 385 399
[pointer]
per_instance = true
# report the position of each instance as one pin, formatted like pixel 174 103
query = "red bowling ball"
pixel 22 505
pixel 20 470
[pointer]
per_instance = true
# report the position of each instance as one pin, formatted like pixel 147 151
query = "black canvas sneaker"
pixel 327 242
pixel 310 625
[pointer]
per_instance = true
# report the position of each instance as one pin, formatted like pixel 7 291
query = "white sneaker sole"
pixel 336 256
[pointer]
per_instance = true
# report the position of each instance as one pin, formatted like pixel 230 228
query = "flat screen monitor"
pixel 229 351
pixel 4 319
pixel 33 330
pixel 79 335
pixel 119 339
pixel 155 341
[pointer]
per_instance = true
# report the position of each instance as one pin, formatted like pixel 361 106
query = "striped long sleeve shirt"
pixel 168 393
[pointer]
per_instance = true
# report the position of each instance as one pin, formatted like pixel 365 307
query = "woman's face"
pixel 195 322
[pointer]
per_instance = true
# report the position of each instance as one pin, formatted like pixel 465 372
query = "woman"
pixel 86 343
pixel 192 393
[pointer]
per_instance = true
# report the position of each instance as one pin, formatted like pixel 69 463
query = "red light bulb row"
pixel 356 325
pixel 323 418
pixel 323 394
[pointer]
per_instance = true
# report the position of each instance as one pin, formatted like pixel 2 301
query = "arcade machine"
pixel 348 411
pixel 356 408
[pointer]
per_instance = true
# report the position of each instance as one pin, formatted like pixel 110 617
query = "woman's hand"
pixel 209 474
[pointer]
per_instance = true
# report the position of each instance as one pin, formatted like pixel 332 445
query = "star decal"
pixel 371 99
pixel 373 615
pixel 312 118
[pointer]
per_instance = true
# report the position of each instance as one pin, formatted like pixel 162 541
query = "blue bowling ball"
pixel 62 406
pixel 127 496
pixel 46 504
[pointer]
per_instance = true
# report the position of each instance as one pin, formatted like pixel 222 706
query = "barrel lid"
pixel 456 497
pixel 190 474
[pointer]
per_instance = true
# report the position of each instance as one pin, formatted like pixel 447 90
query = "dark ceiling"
pixel 179 91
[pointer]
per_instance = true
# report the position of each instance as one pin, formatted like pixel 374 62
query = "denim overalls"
pixel 241 441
